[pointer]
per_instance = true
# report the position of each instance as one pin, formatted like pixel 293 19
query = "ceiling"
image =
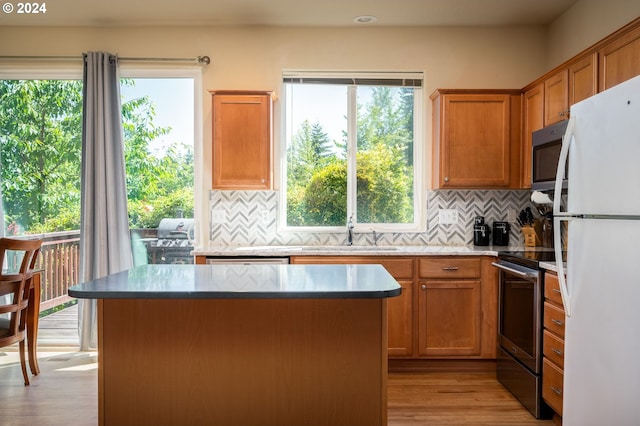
pixel 288 12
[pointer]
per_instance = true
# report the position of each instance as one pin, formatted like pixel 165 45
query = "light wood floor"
pixel 65 393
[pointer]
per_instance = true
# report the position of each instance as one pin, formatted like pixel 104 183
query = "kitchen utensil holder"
pixel 532 234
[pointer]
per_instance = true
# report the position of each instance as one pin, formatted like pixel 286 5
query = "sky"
pixel 174 104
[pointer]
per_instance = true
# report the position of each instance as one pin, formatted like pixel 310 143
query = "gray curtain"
pixel 105 245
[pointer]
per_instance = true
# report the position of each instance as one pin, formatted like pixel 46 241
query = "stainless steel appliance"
pixel 602 290
pixel 174 242
pixel 546 145
pixel 248 260
pixel 520 306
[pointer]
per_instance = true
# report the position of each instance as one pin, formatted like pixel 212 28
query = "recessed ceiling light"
pixel 365 19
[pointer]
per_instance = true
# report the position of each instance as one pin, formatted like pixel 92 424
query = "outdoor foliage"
pixel 41 139
pixel 317 167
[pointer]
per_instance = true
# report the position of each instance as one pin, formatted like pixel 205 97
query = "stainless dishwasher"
pixel 248 260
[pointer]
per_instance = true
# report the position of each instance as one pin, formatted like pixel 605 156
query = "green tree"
pixel 40 149
pixel 317 185
pixel 40 140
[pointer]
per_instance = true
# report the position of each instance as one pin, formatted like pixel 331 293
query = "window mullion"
pixel 352 140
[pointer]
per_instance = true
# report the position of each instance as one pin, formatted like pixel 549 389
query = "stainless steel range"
pixel 520 310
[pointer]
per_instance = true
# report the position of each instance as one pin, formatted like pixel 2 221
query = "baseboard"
pixel 442 366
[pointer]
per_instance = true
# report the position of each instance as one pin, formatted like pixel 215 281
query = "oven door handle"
pixel 522 274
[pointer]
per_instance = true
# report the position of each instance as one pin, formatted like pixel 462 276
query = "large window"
pixel 351 151
pixel 40 152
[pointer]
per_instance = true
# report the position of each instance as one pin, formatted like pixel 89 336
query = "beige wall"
pixel 587 22
pixel 254 57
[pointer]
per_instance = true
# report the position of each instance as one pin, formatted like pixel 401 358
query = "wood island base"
pixel 242 362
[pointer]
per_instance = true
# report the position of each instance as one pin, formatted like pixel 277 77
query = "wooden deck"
pixel 59 330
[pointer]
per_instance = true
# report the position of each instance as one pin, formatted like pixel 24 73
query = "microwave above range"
pixel 546 146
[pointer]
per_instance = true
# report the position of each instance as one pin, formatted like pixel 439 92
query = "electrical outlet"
pixel 447 216
pixel 264 215
pixel 511 215
pixel 218 216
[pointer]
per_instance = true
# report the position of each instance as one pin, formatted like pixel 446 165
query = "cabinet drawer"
pixel 553 348
pixel 552 379
pixel 552 288
pixel 554 319
pixel 449 267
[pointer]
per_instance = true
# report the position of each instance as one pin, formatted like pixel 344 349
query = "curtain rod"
pixel 203 60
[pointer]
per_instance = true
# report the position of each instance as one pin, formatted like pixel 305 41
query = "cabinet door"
pixel 449 318
pixel 583 79
pixel 241 140
pixel 556 98
pixel 400 322
pixel 399 308
pixel 620 60
pixel 533 113
pixel 473 148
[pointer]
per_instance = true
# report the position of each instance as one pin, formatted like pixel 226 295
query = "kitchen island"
pixel 242 344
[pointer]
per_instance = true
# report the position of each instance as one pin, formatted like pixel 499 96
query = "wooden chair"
pixel 16 284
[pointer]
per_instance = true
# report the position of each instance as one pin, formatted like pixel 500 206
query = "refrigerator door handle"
pixel 557 242
pixel 562 165
pixel 559 216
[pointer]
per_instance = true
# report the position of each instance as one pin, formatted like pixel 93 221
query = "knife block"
pixel 532 234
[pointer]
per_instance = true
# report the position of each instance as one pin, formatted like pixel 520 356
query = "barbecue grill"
pixel 174 243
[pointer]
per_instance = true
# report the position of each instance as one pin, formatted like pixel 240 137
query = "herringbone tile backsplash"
pixel 251 218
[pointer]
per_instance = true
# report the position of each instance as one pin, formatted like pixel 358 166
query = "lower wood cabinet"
pixel 449 317
pixel 399 309
pixel 447 309
pixel 553 344
pixel 457 307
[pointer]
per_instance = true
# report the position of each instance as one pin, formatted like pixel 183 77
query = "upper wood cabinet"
pixel 620 59
pixel 556 98
pixel 242 140
pixel 532 120
pixel 476 139
pixel 583 78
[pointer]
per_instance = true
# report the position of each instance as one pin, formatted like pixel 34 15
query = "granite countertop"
pixel 242 282
pixel 304 250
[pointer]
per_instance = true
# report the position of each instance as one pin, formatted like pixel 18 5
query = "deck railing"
pixel 59 261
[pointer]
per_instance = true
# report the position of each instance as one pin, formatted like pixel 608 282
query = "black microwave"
pixel 546 145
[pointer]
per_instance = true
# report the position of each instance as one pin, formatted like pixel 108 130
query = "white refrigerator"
pixel 602 292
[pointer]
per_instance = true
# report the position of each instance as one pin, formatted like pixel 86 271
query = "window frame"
pixel 72 70
pixel 419 161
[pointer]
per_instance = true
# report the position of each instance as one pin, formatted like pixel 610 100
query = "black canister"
pixel 501 233
pixel 481 234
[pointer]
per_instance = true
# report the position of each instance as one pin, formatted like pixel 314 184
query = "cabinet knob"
pixel 556 351
pixel 446 178
pixel 262 180
pixel 557 321
pixel 556 390
pixel 423 286
pixel 561 113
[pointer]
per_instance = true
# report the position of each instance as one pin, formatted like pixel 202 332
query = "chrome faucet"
pixel 350 231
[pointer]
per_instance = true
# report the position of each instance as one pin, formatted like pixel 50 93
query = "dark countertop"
pixel 242 282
